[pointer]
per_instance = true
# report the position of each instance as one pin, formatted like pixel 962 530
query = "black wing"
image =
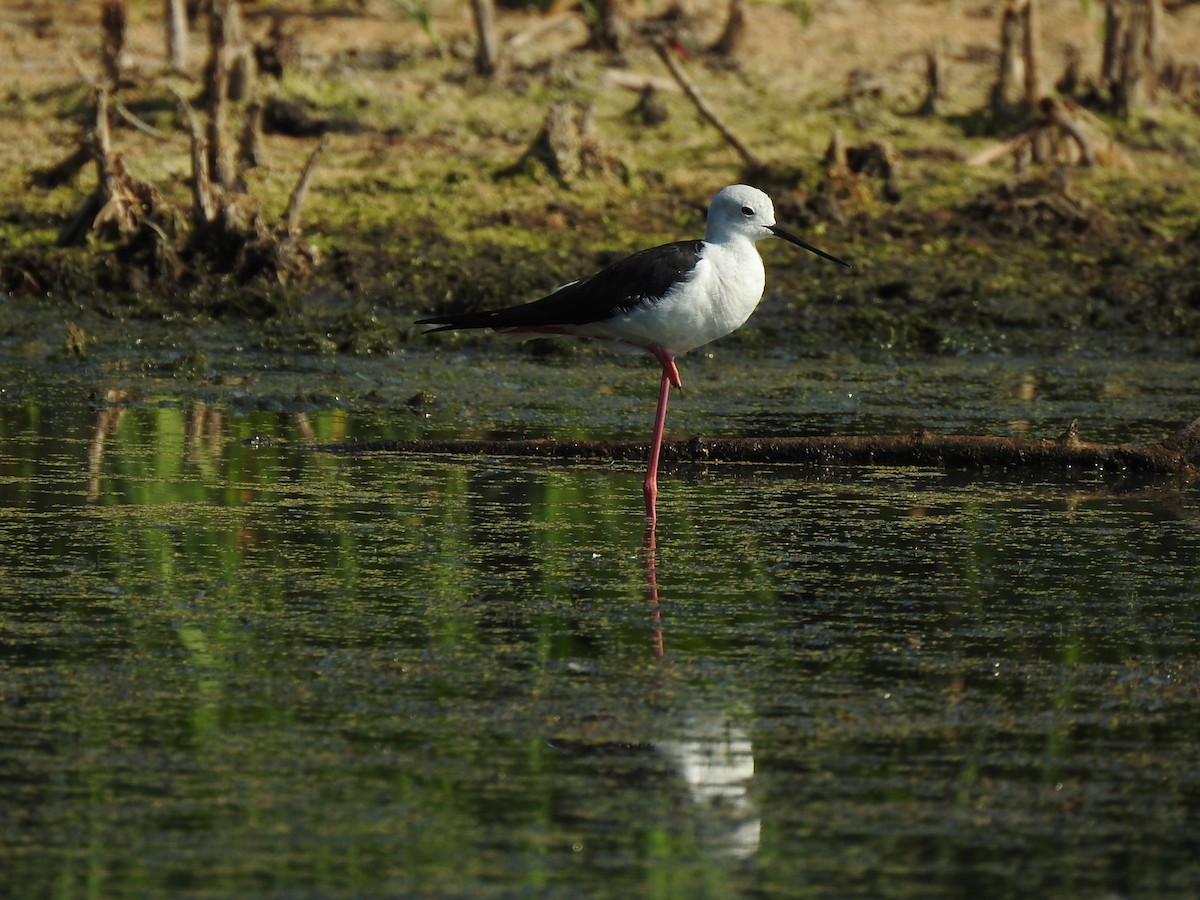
pixel 644 276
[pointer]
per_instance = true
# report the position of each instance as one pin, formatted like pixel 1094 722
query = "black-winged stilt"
pixel 664 301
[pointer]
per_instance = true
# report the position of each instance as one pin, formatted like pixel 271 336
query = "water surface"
pixel 232 666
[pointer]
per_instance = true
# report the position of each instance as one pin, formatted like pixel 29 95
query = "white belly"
pixel 724 290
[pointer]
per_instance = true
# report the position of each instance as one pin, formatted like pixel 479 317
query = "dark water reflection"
pixel 230 666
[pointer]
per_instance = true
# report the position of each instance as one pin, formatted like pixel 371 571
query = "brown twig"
pixel 1031 51
pixel 99 147
pixel 1057 113
pixel 934 90
pixel 735 30
pixel 204 208
pixel 291 218
pixel 487 53
pixel 1086 133
pixel 139 123
pixel 175 13
pixel 705 110
pixel 113 28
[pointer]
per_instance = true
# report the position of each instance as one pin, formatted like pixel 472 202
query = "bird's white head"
pixel 740 211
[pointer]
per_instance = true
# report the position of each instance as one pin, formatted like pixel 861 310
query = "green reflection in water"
pixel 234 666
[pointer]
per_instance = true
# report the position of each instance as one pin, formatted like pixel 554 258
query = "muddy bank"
pixel 430 195
pixel 1019 268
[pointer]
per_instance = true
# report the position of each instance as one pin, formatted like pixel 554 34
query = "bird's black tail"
pixel 461 320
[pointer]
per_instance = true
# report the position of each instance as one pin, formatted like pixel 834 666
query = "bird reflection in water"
pixel 712 754
pixel 716 759
pixel 652 590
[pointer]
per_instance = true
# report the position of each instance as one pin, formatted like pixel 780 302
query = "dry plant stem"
pixel 175 16
pixel 140 124
pixel 1056 113
pixel 220 163
pixel 487 55
pixel 637 82
pixel 1032 54
pixel 223 26
pixel 204 207
pixel 291 218
pixel 1154 27
pixel 99 147
pixel 705 110
pixel 1129 88
pixel 538 29
pixel 1132 39
pixel 933 80
pixel 1053 114
pixel 103 137
pixel 1010 29
pixel 835 154
pixel 611 32
pixel 735 30
pixel 113 21
pixel 1114 23
pixel 250 153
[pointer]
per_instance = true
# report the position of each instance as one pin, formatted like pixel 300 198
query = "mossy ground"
pixel 411 212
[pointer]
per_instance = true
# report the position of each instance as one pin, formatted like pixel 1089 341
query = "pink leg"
pixel 670 377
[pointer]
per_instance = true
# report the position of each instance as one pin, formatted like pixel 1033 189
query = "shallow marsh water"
pixel 231 666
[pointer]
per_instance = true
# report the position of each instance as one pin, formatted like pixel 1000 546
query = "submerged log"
pixel 1178 455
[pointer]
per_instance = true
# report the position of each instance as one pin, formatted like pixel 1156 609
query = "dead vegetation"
pixel 568 148
pixel 1033 207
pixel 224 231
pixel 1058 128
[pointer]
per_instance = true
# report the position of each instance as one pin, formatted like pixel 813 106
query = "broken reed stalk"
pixel 1031 51
pixel 1010 34
pixel 1057 114
pixel 220 159
pixel 611 31
pixel 98 147
pixel 175 16
pixel 204 204
pixel 1114 38
pixel 113 54
pixel 291 218
pixel 706 112
pixel 487 53
pixel 1176 456
pixel 228 77
pixel 735 30
pixel 103 137
pixel 135 121
pixel 1131 66
pixel 1085 133
pixel 250 149
pixel 934 90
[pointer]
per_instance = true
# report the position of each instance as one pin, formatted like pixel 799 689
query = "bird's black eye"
pixel 747 211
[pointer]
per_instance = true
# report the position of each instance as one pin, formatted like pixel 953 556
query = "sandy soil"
pixel 41 39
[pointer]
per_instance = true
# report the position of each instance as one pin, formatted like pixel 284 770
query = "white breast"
pixel 724 289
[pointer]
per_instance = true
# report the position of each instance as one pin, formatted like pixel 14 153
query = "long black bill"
pixel 788 236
